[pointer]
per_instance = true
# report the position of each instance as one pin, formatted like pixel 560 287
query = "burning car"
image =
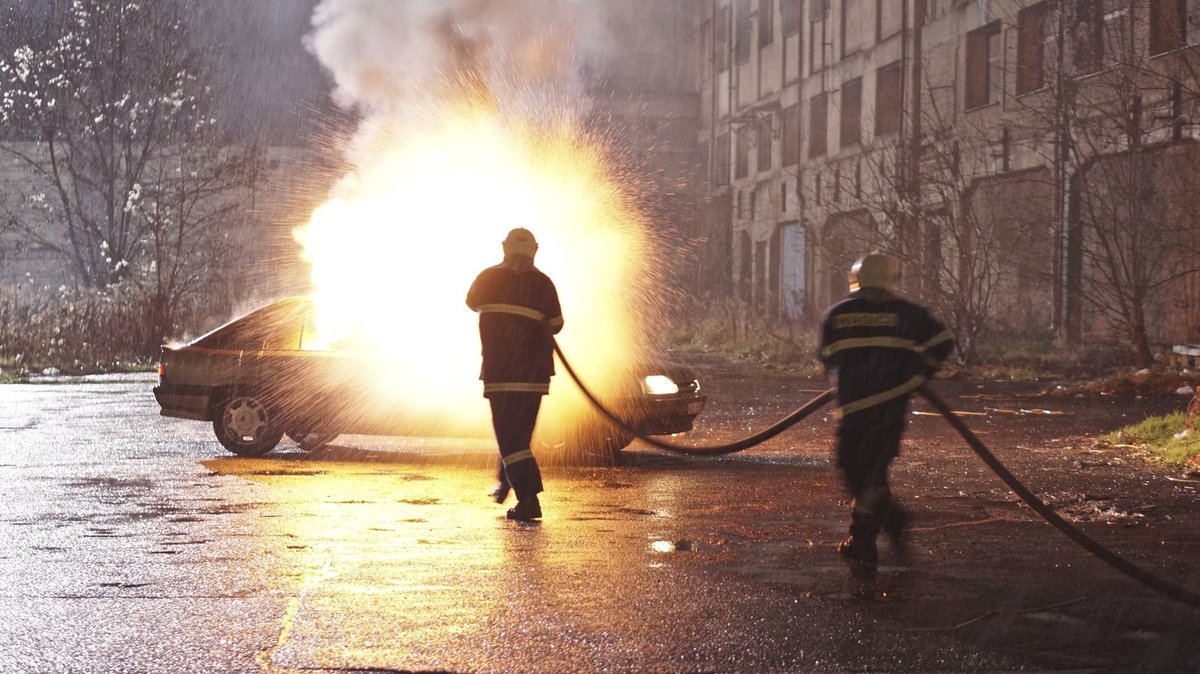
pixel 263 376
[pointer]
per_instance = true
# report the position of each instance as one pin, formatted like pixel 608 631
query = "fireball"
pixel 394 250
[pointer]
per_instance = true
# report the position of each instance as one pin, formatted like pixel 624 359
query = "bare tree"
pixel 107 106
pixel 1115 103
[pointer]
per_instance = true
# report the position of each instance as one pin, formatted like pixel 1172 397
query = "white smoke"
pixel 397 56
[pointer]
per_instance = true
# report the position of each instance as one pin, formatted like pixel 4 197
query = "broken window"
pixel 853 36
pixel 721 37
pixel 818 15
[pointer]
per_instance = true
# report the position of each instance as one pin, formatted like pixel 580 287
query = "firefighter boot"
pixel 527 510
pixel 859 548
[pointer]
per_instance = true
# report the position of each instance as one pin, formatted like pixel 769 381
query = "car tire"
pixel 245 425
pixel 312 441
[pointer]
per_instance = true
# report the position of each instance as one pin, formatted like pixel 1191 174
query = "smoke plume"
pixel 397 56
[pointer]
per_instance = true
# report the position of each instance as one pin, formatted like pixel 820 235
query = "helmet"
pixel 520 241
pixel 873 270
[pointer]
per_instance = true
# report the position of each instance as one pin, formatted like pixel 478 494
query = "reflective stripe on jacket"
pixel 518 313
pixel 880 347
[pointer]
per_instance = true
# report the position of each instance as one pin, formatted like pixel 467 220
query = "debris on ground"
pixel 1144 382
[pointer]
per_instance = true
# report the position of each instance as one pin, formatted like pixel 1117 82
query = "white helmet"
pixel 873 270
pixel 520 241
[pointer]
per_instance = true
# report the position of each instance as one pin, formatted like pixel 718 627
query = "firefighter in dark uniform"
pixel 878 348
pixel 518 312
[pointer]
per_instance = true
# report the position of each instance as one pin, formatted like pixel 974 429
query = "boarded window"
pixel 817 124
pixel 850 121
pixel 985 75
pixel 742 31
pixel 1032 26
pixel 791 135
pixel 766 22
pixel 889 99
pixel 764 144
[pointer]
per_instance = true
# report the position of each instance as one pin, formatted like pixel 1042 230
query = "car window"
pixel 276 327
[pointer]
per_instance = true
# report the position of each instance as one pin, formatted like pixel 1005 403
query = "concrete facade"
pixel 958 135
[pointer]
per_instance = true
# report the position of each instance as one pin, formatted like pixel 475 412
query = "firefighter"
pixel 877 348
pixel 518 313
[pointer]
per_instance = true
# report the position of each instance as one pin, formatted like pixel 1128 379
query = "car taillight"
pixel 162 370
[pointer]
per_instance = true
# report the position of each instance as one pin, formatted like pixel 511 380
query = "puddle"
pixel 666 547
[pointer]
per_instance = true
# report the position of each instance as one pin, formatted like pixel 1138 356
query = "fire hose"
pixel 715 450
pixel 1164 587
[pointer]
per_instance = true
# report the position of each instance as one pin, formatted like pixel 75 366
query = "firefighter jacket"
pixel 518 313
pixel 880 347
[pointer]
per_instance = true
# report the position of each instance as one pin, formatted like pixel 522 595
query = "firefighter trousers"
pixel 868 441
pixel 513 417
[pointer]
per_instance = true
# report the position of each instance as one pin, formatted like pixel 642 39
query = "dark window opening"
pixel 760 273
pixel 744 268
pixel 985 74
pixel 850 122
pixel 766 22
pixel 764 144
pixel 1173 24
pixel 791 135
pixel 789 16
pixel 742 31
pixel 721 165
pixel 889 99
pixel 742 160
pixel 721 46
pixel 817 124
pixel 1032 31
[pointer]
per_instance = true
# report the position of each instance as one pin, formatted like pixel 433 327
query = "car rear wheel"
pixel 245 425
pixel 597 444
pixel 311 441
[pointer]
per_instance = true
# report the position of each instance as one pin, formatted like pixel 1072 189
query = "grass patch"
pixel 734 329
pixel 1167 439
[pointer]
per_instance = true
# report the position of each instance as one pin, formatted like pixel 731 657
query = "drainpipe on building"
pixel 1068 253
pixel 908 183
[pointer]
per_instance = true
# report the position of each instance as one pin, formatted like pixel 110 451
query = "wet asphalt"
pixel 134 543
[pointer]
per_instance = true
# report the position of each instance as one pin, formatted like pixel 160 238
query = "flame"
pixel 394 251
